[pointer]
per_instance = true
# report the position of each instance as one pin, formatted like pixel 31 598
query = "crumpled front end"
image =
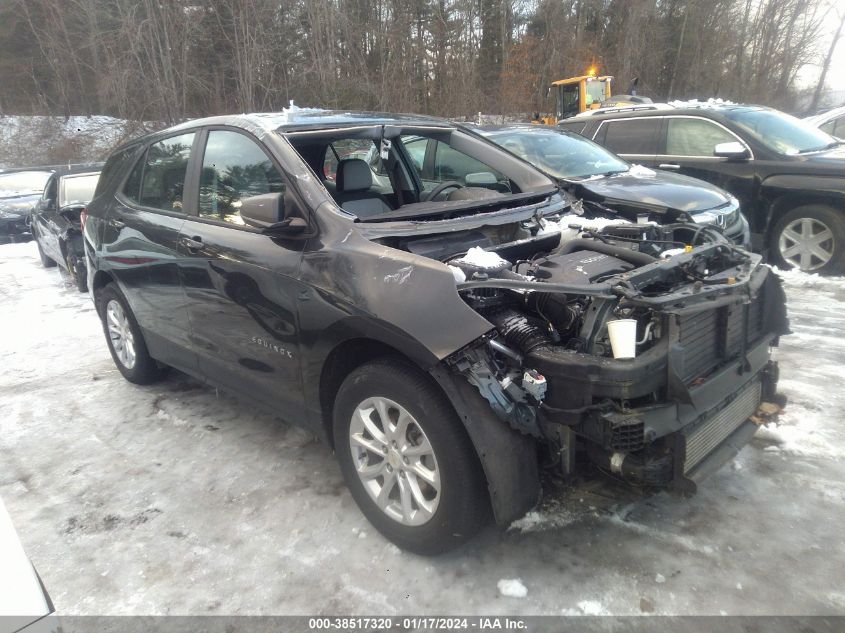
pixel 651 368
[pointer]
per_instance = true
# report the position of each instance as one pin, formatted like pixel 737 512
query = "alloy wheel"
pixel 394 461
pixel 120 333
pixel 806 243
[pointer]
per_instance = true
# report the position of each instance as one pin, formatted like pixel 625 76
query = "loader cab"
pixel 579 94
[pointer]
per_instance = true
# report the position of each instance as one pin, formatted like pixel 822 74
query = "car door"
pixel 44 218
pixel 635 139
pixel 140 242
pixel 687 147
pixel 241 283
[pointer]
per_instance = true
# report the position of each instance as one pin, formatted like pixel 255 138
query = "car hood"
pixel 830 161
pixel 653 191
pixel 22 205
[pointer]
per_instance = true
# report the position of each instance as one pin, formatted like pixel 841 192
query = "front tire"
pixel 124 338
pixel 811 238
pixel 407 459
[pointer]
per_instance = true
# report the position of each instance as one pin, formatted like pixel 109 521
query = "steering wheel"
pixel 443 186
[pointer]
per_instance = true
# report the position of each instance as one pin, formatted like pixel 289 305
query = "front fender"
pixel 508 458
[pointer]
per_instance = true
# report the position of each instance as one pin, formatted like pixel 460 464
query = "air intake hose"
pixel 620 252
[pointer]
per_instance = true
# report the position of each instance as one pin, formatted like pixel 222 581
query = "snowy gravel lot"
pixel 176 499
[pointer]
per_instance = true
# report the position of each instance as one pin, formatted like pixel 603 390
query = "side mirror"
pixel 263 211
pixel 734 149
pixel 480 179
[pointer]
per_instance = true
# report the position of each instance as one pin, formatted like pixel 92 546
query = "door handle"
pixel 118 224
pixel 193 244
pixel 669 166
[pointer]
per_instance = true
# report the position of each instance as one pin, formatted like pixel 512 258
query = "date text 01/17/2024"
pixel 417 623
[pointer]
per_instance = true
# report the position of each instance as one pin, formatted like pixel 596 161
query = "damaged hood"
pixel 637 190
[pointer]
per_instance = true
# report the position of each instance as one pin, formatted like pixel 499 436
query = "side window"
pixel 158 179
pixel 828 127
pixel 114 169
pixel 51 190
pixel 694 137
pixel 632 136
pixel 234 167
pixel 450 164
pixel 416 148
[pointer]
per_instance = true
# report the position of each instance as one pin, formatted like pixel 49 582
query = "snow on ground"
pixel 176 499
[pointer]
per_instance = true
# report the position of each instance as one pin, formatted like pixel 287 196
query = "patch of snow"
pixel 695 103
pixel 512 588
pixel 477 256
pixel 640 171
pixel 458 274
pixel 592 607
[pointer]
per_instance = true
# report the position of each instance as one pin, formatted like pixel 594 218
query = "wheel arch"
pixel 101 279
pixel 507 458
pixel 783 198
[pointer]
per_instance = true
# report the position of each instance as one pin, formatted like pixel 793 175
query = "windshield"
pixel 561 154
pixel 595 92
pixel 23 182
pixel 78 189
pixel 781 132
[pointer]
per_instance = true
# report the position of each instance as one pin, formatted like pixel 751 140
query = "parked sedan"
pixel 788 176
pixel 831 122
pixel 442 330
pixel 56 223
pixel 19 192
pixel 605 181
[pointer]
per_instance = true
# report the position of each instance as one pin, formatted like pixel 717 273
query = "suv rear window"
pixel 158 180
pixel 631 136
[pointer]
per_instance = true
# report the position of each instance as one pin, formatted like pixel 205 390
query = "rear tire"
pixel 45 261
pixel 418 480
pixel 77 271
pixel 811 238
pixel 124 338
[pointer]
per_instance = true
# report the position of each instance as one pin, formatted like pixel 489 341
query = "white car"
pixel 832 122
pixel 24 603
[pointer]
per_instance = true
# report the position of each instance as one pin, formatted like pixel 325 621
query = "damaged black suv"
pixel 447 327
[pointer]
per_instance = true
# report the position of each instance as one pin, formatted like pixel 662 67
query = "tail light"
pixel 83 216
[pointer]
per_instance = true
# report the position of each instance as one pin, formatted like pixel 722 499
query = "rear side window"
pixel 234 167
pixel 632 136
pixel 835 127
pixel 114 169
pixel 158 179
pixel 694 137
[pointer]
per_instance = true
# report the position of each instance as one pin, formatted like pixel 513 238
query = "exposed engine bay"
pixel 612 340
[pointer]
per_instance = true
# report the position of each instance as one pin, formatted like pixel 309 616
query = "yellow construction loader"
pixel 586 92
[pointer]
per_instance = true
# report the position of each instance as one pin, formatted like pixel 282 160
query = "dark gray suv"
pixel 445 332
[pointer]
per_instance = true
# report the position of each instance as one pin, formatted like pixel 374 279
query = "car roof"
pixel 703 108
pixel 297 120
pixel 487 130
pixel 79 169
pixel 68 168
pixel 314 118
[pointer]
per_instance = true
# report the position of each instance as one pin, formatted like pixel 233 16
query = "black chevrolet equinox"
pixel 445 322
